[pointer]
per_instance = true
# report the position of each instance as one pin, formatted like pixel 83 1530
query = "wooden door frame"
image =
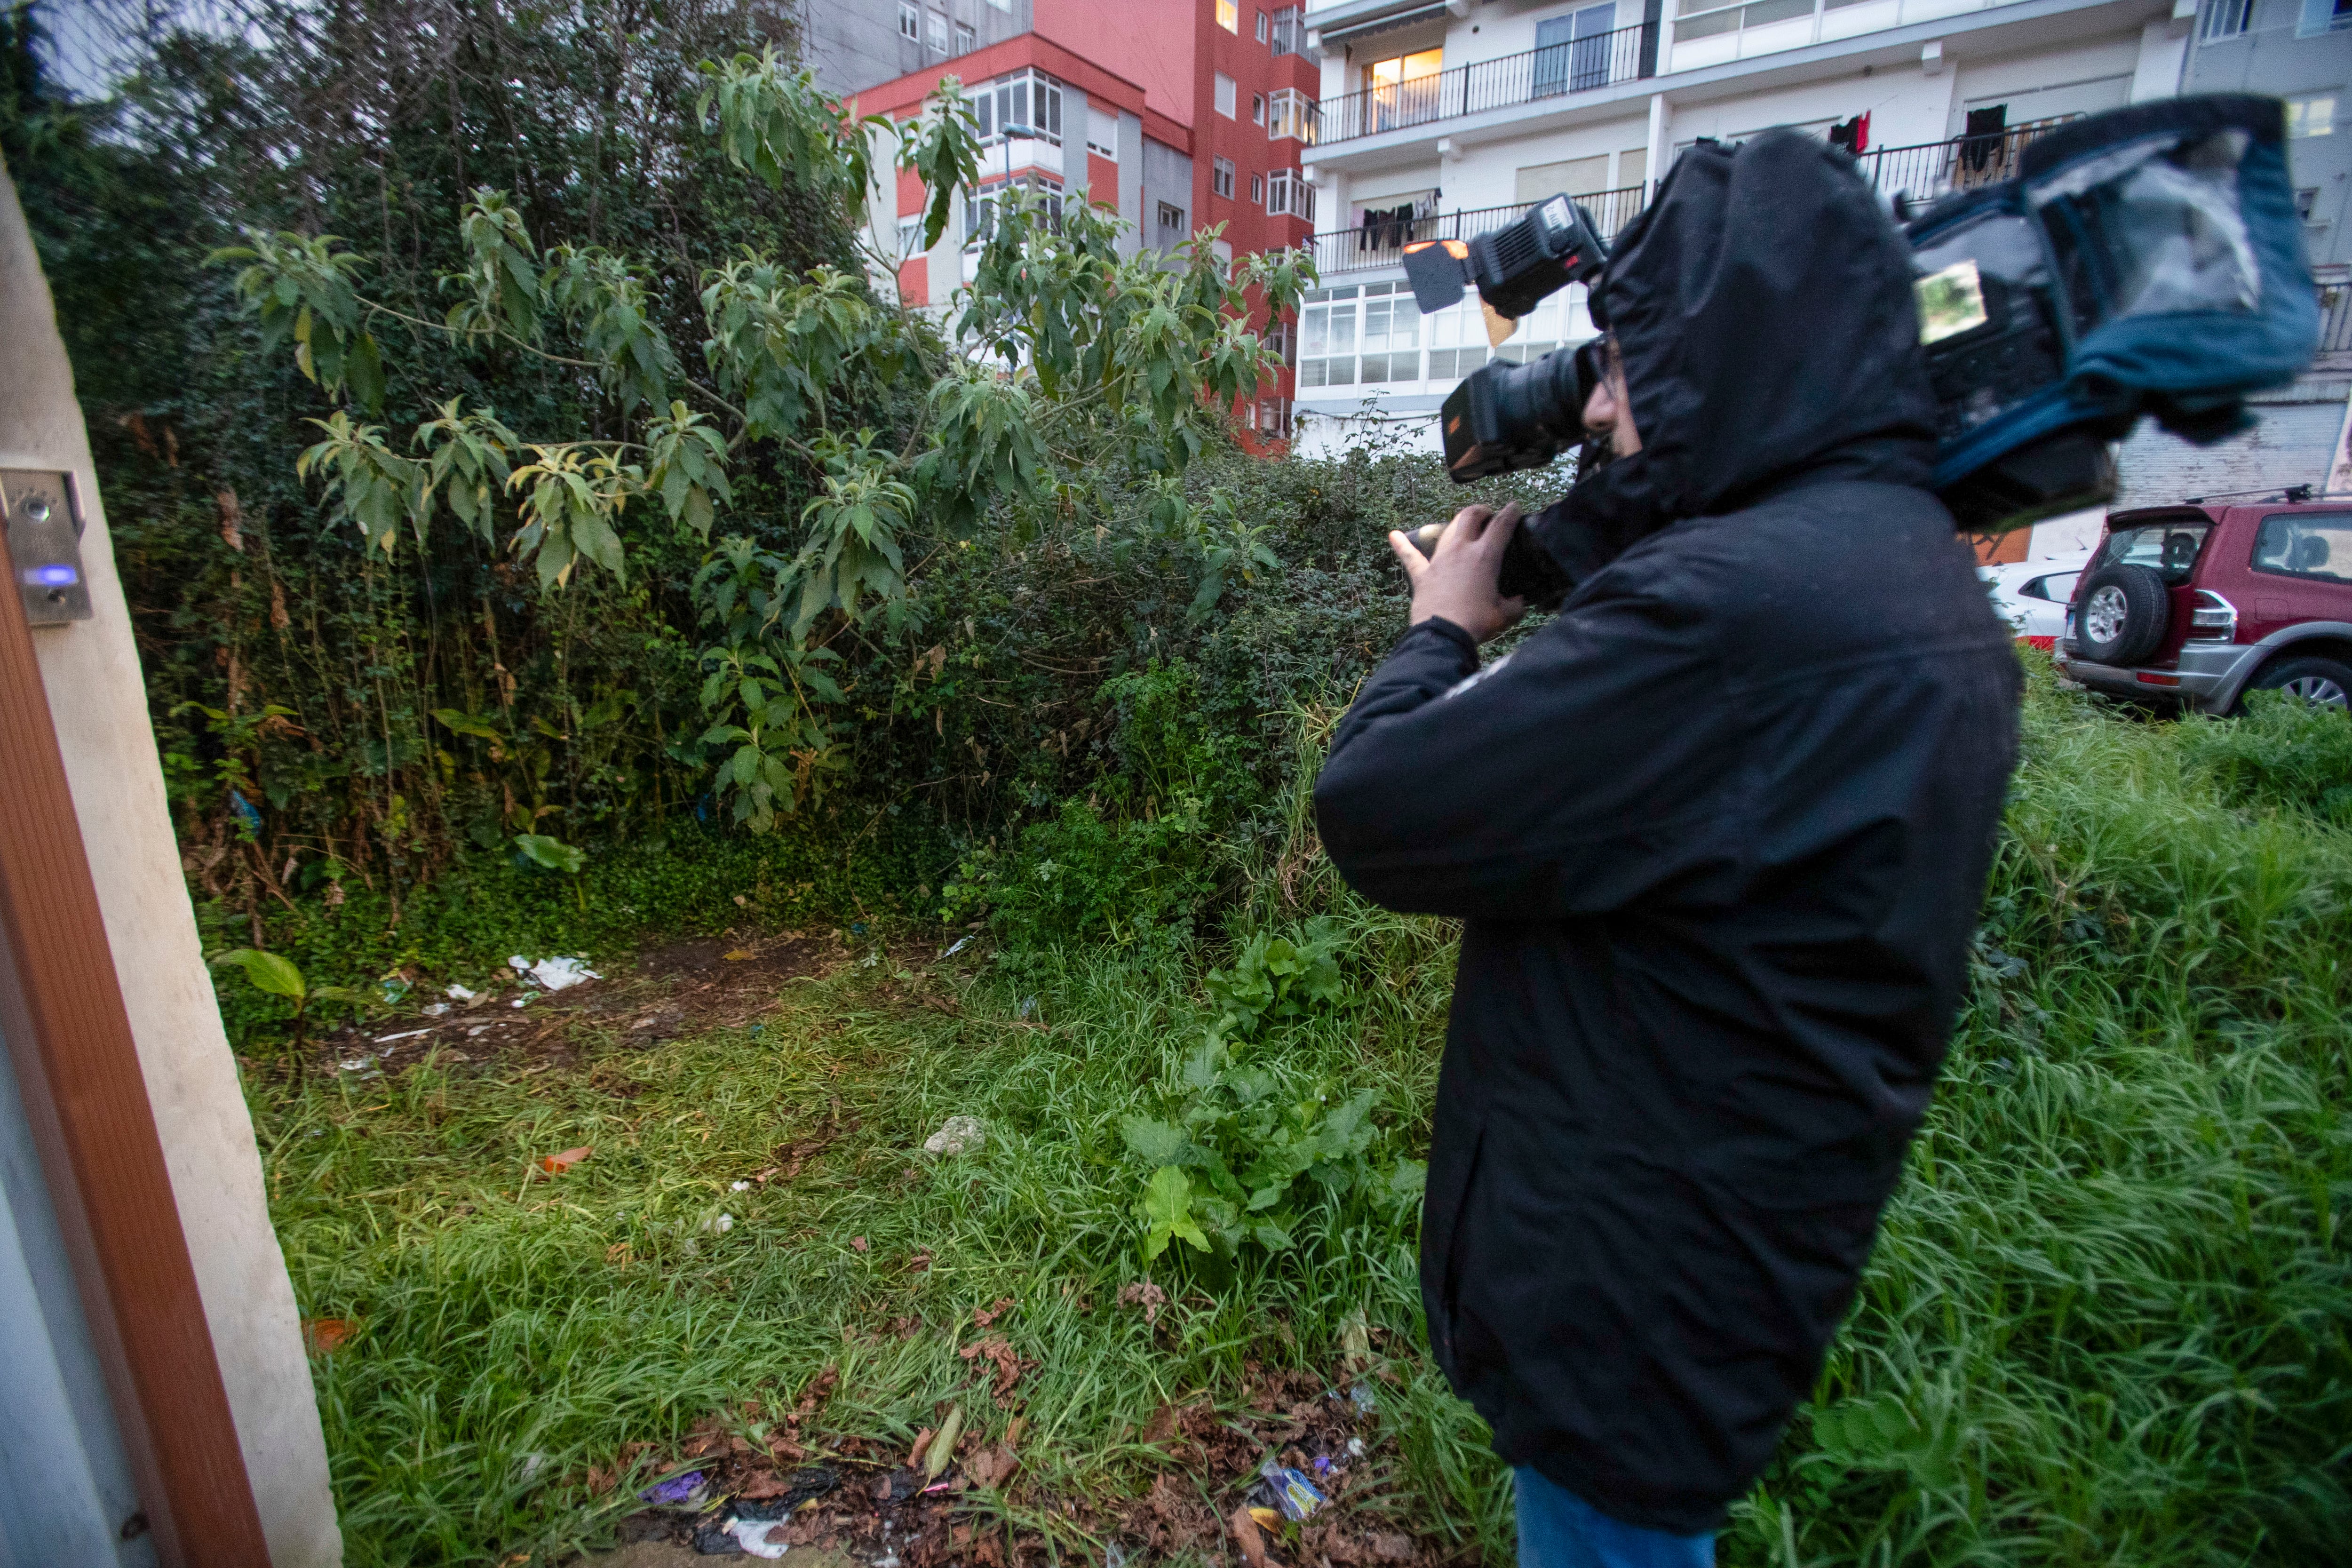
pixel 93 1127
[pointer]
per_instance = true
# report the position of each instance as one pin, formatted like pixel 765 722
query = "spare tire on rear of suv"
pixel 2120 614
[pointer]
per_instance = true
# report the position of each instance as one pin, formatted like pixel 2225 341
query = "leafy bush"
pixel 1262 1154
pixel 1276 977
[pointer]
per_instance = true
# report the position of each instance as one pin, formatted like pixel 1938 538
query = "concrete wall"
pixel 1167 177
pixel 2269 57
pixel 856 44
pixel 100 703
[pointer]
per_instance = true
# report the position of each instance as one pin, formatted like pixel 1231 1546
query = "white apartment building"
pixel 1443 118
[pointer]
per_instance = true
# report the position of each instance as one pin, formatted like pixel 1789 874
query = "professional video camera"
pixel 2146 260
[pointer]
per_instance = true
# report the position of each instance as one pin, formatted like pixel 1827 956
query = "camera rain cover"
pixel 2149 259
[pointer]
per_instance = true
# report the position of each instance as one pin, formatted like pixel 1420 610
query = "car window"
pixel 2058 588
pixel 2170 547
pixel 2317 545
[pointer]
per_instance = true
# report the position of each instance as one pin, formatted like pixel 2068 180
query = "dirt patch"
pixel 679 988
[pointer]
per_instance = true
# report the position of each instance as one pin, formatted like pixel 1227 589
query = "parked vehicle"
pixel 2031 595
pixel 2199 604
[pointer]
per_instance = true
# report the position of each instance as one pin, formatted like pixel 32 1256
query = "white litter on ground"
pixel 459 993
pixel 752 1534
pixel 555 973
pixel 957 1135
pixel 403 1035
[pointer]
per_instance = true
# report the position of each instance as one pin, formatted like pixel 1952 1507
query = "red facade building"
pixel 1182 116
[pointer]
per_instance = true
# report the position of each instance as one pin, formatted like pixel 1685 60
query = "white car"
pixel 2031 595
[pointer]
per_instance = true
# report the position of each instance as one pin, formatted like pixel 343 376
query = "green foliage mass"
pixel 2104 1321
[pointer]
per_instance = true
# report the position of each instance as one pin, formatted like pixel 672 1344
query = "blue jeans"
pixel 1558 1529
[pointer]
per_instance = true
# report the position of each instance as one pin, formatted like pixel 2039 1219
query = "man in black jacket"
pixel 1717 834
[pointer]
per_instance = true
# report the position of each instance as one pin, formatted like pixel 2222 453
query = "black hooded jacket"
pixel 1718 834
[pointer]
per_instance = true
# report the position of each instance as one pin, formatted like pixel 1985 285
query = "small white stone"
pixel 957 1135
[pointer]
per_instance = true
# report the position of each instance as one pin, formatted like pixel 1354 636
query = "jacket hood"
pixel 1763 308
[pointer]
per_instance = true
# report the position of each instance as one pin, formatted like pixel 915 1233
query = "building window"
pixel 910 236
pixel 2317 16
pixel 965 37
pixel 1258 189
pixel 2224 19
pixel 1102 133
pixel 911 22
pixel 1025 104
pixel 1229 16
pixel 1221 177
pixel 1002 4
pixel 1261 26
pixel 1258 109
pixel 1287 191
pixel 1381 320
pixel 1290 112
pixel 935 27
pixel 979 210
pixel 1289 31
pixel 1225 95
pixel 2310 117
pixel 1457 340
pixel 1172 221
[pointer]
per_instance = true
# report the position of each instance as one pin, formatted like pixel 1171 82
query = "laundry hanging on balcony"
pixel 1854 135
pixel 1982 136
pixel 1385 228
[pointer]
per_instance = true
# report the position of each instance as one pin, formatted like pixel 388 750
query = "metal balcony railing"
pixel 1933 170
pixel 1556 70
pixel 1380 242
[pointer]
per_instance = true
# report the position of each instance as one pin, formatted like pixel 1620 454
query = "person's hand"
pixel 1457 580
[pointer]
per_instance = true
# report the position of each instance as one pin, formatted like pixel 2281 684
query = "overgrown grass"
pixel 2107 1320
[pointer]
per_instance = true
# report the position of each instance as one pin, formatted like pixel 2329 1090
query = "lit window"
pixel 936 30
pixel 1225 95
pixel 1391 74
pixel 2224 19
pixel 2310 117
pixel 910 23
pixel 1229 16
pixel 1221 177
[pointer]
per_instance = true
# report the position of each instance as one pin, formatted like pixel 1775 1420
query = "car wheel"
pixel 2120 614
pixel 2322 682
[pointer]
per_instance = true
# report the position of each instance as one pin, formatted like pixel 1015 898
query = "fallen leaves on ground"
pixel 1143 1293
pixel 322 1335
pixel 556 1164
pixel 1008 1363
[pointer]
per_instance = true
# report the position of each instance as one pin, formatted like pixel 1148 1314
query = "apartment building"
pixel 1184 116
pixel 1443 119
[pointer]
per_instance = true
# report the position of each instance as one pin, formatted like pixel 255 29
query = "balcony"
pixel 1381 242
pixel 1934 170
pixel 1557 71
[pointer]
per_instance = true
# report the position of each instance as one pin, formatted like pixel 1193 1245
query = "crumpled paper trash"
pixel 957 1135
pixel 554 973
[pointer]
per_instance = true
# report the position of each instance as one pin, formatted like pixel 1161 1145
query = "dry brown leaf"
pixel 857 1243
pixel 322 1336
pixel 556 1164
pixel 922 1442
pixel 739 955
pixel 984 1318
pixel 1246 1537
pixel 1143 1293
pixel 1392 1546
pixel 1009 1365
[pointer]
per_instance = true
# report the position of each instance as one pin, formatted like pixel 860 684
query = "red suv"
pixel 2200 604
